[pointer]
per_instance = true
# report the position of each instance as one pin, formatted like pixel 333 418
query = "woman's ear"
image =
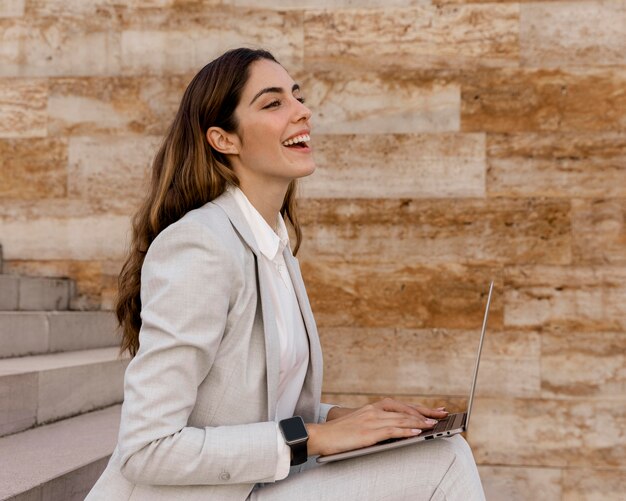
pixel 222 141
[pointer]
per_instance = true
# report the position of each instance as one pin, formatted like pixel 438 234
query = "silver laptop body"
pixel 453 424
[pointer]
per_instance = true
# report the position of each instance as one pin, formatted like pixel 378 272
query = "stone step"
pixel 59 461
pixel 31 333
pixel 40 389
pixel 19 293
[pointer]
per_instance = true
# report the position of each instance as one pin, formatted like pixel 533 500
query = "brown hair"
pixel 187 173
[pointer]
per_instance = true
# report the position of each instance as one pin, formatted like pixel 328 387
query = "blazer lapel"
pixel 307 405
pixel 272 348
pixel 229 205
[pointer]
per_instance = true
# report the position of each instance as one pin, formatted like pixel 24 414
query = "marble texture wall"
pixel 456 140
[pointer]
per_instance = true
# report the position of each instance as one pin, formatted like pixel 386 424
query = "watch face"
pixel 293 429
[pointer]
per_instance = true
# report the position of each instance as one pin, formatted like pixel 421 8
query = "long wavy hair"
pixel 187 173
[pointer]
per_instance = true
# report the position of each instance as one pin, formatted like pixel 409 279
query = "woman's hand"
pixel 348 429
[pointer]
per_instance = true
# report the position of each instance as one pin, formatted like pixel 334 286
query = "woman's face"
pixel 270 113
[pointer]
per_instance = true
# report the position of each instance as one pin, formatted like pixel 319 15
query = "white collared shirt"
pixel 293 340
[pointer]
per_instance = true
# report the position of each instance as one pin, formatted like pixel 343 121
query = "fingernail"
pixel 441 408
pixel 416 431
pixel 431 421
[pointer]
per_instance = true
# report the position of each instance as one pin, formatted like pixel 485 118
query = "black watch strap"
pixel 299 453
pixel 296 437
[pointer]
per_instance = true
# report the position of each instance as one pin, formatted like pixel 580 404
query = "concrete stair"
pixel 39 389
pixel 37 332
pixel 61 383
pixel 59 461
pixel 34 293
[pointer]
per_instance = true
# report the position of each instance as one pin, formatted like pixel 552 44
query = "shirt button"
pixel 224 476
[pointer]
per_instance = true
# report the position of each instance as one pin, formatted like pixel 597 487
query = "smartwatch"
pixel 296 437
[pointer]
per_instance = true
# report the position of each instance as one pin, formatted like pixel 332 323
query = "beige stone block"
pixel 594 485
pixel 82 238
pixel 437 231
pixel 423 36
pixel 552 433
pixel 521 483
pixel 430 362
pixel 64 208
pixel 97 14
pixel 574 33
pixel 583 364
pixel 11 8
pixel 579 164
pixel 55 46
pixel 576 298
pixel 361 294
pixel 440 3
pixel 141 4
pixel 44 294
pixel 108 298
pixel 379 103
pixel 330 4
pixel 116 105
pixel 34 168
pixel 22 106
pixel 599 231
pixel 157 52
pixel 111 11
pixel 111 168
pixel 90 277
pixel 185 38
pixel 355 400
pixel 83 271
pixel 574 99
pixel 397 166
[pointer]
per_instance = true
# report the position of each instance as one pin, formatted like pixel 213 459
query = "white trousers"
pixel 442 469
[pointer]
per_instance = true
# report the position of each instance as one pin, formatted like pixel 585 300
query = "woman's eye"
pixel 273 104
pixel 277 102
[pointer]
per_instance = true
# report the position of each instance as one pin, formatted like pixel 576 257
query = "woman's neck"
pixel 267 200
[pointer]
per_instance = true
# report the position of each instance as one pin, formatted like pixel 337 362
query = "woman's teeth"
pixel 298 139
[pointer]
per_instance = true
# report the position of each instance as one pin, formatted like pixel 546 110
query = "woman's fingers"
pixel 438 413
pixel 402 419
pixel 399 433
pixel 389 404
pixel 366 426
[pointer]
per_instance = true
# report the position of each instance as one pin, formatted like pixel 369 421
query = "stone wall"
pixel 456 141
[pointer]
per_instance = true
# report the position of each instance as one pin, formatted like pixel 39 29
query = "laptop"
pixel 451 425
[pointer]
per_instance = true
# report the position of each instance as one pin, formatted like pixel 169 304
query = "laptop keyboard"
pixel 453 421
pixel 444 424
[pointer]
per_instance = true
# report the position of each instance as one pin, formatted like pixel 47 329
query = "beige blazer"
pixel 197 421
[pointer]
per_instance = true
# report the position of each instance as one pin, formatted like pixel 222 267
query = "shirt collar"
pixel 270 243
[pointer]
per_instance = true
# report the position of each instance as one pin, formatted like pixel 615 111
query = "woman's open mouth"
pixel 298 143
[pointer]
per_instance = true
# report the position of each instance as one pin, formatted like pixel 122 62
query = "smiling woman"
pixel 222 396
pixel 266 151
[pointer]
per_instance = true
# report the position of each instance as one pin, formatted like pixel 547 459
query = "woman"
pixel 215 312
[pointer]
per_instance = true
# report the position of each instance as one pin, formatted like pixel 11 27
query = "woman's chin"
pixel 307 171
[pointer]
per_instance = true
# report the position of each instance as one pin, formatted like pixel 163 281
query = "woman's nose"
pixel 303 112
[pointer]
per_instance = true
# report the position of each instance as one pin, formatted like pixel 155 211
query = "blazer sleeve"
pixel 186 289
pixel 324 410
